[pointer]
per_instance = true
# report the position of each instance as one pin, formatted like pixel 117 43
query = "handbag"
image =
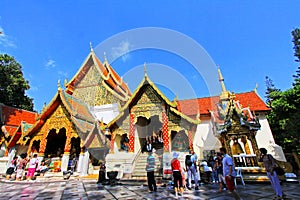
pixel 279 171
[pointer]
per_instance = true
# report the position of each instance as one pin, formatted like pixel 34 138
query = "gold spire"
pixel 58 85
pixel 104 54
pixel 225 94
pixel 91 47
pixel 145 69
pixel 65 82
pixel 255 89
pixel 44 107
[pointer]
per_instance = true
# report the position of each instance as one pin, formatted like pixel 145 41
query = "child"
pixel 12 167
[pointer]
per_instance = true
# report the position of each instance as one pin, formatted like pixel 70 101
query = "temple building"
pixel 95 117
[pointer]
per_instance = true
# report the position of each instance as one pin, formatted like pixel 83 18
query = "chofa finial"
pixel 145 69
pixel 104 54
pixel 91 47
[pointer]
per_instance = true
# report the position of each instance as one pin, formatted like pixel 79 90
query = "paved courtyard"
pixel 76 188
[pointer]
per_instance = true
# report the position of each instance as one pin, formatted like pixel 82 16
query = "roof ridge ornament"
pixel 145 69
pixel 58 85
pixel 225 95
pixel 91 47
pixel 104 54
pixel 255 89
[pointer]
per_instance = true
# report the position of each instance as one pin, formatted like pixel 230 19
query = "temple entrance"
pixel 149 132
pixel 35 146
pixel 55 143
pixel 75 147
pixel 179 141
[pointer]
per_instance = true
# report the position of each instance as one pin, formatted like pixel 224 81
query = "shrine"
pixel 94 117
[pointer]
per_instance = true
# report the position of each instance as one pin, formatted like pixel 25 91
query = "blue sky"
pixel 247 39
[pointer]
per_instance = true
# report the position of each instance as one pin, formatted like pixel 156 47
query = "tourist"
pixel 218 167
pixel 33 162
pixel 207 171
pixel 21 166
pixel 229 172
pixel 177 170
pixel 102 170
pixel 150 167
pixel 42 168
pixel 214 174
pixel 124 142
pixel 149 144
pixel 191 166
pixel 11 168
pixel 269 164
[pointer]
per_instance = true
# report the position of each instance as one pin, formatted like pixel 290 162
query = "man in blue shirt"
pixel 150 167
pixel 229 172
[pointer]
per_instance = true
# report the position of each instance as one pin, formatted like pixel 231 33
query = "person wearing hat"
pixel 176 169
pixel 150 167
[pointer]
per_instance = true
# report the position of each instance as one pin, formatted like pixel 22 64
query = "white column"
pixel 85 163
pixel 65 162
pixel 80 160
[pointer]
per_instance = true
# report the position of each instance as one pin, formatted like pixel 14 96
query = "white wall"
pixel 204 139
pixel 265 139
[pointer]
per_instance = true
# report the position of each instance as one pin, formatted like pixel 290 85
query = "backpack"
pixel 188 160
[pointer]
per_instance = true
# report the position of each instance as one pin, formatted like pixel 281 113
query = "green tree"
pixel 13 85
pixel 296 41
pixel 285 114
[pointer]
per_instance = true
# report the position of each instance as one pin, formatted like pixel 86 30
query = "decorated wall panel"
pixel 59 119
pixel 148 105
pixel 91 90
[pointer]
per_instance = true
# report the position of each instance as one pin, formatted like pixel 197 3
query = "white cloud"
pixel 5 40
pixel 50 63
pixel 121 50
pixel 34 88
pixel 63 74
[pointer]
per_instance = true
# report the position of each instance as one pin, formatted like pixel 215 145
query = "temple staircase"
pixel 139 170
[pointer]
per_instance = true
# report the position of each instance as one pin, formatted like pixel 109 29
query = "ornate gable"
pixel 98 84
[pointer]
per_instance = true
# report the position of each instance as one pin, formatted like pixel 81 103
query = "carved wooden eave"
pixel 84 116
pixel 145 81
pixel 19 137
pixel 183 116
pixel 171 106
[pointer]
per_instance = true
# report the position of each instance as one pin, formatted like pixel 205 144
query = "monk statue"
pixel 245 141
pixel 236 147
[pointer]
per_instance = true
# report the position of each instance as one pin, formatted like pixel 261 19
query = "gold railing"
pixel 245 160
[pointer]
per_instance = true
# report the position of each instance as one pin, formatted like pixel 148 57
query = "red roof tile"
pixel 14 116
pixel 191 107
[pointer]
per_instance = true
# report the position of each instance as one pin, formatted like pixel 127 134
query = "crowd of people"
pixel 220 169
pixel 24 167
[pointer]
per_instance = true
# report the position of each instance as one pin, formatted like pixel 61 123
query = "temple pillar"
pixel 65 161
pixel 6 152
pixel 68 140
pixel 131 133
pixel 85 163
pixel 112 143
pixel 44 140
pixel 190 137
pixel 66 156
pixel 80 160
pixel 165 132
